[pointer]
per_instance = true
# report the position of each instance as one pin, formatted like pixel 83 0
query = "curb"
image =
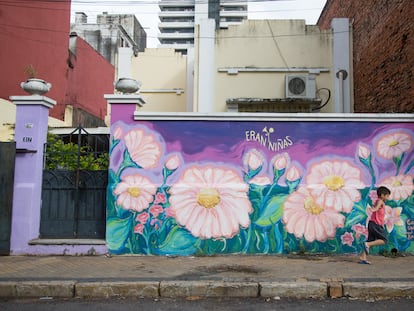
pixel 146 289
pixel 377 289
pixel 37 289
pixel 301 289
pixel 182 289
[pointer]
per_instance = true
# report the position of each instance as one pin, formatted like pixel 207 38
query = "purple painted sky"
pixel 226 141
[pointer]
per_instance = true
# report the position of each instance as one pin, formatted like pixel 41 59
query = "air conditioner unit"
pixel 300 86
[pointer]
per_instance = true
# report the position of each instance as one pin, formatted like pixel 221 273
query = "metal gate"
pixel 7 156
pixel 74 198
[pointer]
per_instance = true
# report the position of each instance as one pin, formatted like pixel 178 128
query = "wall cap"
pixel 288 117
pixel 125 99
pixel 33 100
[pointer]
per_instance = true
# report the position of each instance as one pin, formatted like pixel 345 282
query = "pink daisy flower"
pixel 143 148
pixel 211 201
pixel 135 192
pixel 393 145
pixel 304 217
pixel 335 184
pixel 401 186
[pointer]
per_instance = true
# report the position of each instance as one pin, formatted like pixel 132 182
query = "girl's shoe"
pixel 364 262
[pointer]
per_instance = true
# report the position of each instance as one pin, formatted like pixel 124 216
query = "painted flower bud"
pixel 293 173
pixel 363 151
pixel 118 133
pixel 280 161
pixel 173 162
pixel 254 159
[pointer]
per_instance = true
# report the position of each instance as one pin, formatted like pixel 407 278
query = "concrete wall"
pixel 274 48
pixel 162 73
pixel 31 35
pixel 383 52
pixel 90 77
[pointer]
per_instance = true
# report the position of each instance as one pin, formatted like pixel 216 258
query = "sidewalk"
pixel 220 276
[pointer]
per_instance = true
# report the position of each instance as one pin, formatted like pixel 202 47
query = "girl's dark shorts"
pixel 376 232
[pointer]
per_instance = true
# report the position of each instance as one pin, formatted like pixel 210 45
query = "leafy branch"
pixel 70 156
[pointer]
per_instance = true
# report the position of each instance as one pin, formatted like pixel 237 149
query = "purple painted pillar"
pixel 122 107
pixel 30 135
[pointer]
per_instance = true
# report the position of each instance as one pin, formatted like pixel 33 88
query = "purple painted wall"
pixel 30 136
pixel 206 186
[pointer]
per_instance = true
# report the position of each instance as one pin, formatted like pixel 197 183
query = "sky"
pixel 146 11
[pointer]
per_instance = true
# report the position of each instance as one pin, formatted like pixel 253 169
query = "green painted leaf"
pixel 110 203
pixel 117 232
pixel 408 206
pixel 400 232
pixel 113 178
pixel 357 215
pixel 410 248
pixel 277 190
pixel 272 211
pixel 235 244
pixel 256 194
pixel 178 242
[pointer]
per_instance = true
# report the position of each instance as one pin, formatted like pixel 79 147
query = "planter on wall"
pixel 35 86
pixel 127 85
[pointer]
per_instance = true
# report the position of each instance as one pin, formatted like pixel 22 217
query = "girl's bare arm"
pixel 377 206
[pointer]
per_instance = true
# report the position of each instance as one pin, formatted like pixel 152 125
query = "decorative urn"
pixel 127 85
pixel 35 86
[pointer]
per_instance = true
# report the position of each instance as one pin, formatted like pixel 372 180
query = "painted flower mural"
pixel 335 184
pixel 392 217
pixel 143 149
pixel 211 202
pixel 401 186
pixel 134 192
pixel 188 189
pixel 394 145
pixel 304 217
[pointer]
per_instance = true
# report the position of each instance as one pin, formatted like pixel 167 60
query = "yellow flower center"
pixel 208 197
pixel 334 182
pixel 134 191
pixel 396 183
pixel 393 143
pixel 311 207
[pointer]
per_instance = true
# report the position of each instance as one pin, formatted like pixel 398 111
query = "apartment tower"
pixel 178 19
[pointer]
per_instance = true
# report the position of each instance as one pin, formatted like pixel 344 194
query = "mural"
pixel 258 187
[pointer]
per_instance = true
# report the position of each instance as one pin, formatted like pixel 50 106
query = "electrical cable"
pixel 326 102
pixel 277 45
pixel 23 4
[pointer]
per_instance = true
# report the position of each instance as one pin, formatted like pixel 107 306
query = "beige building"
pixel 8 119
pixel 254 60
pixel 163 74
pixel 258 66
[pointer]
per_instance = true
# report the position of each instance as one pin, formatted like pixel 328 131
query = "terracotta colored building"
pixel 36 33
pixel 383 52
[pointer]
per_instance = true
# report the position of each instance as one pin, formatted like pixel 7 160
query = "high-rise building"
pixel 178 19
